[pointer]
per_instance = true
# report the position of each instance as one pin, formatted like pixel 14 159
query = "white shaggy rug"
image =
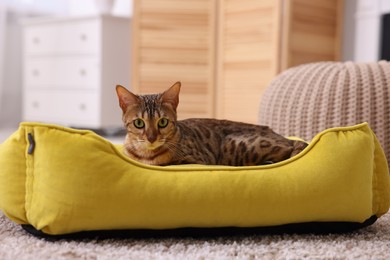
pixel 372 242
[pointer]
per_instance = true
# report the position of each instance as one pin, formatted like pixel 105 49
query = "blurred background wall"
pixel 360 31
pixel 12 15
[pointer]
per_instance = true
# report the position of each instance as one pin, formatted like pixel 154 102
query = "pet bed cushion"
pixel 61 181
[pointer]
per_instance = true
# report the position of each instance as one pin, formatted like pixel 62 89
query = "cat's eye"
pixel 139 123
pixel 163 122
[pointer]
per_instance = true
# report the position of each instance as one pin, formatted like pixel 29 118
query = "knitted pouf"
pixel 304 100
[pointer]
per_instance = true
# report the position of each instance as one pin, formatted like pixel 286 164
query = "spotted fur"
pixel 195 141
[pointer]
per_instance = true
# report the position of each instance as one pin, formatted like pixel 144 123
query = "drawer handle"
pixel 83 37
pixel 36 40
pixel 83 72
pixel 35 72
pixel 83 107
pixel 35 104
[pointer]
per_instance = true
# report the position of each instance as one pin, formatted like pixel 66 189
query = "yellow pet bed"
pixel 58 181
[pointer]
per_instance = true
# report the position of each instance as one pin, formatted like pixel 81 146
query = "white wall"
pixel 367 22
pixel 348 39
pixel 11 80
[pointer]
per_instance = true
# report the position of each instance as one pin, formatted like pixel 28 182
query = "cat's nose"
pixel 151 136
pixel 152 140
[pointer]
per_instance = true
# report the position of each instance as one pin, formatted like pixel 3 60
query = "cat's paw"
pixel 267 162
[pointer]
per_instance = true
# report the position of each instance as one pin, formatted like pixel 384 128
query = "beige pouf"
pixel 304 100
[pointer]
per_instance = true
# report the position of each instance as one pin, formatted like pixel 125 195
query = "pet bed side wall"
pixel 13 153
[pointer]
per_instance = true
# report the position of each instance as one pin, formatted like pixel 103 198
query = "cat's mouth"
pixel 152 146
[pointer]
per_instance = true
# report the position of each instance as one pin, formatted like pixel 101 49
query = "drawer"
pixel 62 72
pixel 71 37
pixel 72 108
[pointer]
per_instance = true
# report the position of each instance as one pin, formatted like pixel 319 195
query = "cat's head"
pixel 150 120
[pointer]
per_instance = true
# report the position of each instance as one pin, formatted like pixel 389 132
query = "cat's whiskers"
pixel 174 148
pixel 134 150
pixel 130 149
pixel 150 146
pixel 153 146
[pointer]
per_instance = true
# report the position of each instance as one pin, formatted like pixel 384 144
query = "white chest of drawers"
pixel 71 68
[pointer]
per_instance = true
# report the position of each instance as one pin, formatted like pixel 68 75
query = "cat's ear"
pixel 171 95
pixel 125 97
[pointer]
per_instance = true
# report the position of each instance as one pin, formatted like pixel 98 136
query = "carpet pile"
pixel 372 242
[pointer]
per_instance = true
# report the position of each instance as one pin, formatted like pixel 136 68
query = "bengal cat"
pixel 156 137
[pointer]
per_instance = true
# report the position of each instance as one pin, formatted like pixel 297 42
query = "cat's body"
pixel 155 136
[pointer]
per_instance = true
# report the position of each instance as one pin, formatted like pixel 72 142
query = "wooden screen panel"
pixel 248 47
pixel 173 40
pixel 311 31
